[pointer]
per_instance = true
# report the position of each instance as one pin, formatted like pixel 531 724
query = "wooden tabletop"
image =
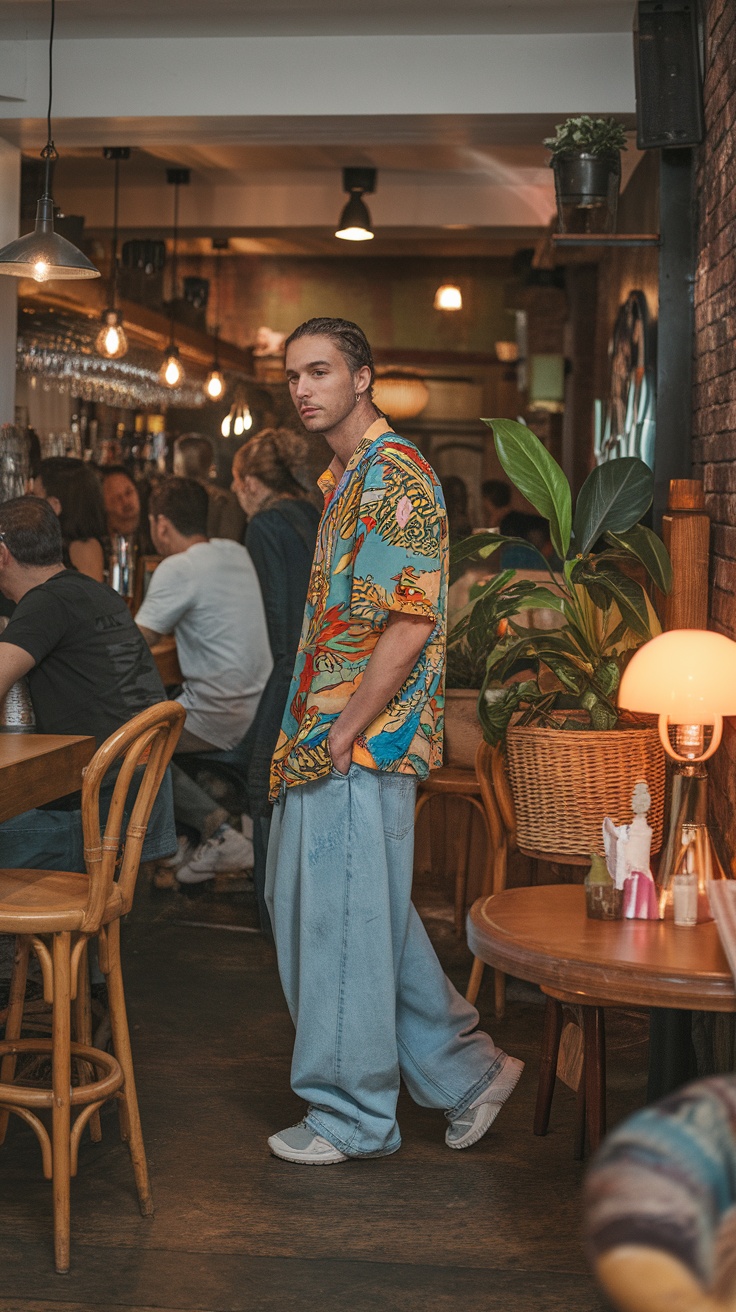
pixel 36 768
pixel 543 935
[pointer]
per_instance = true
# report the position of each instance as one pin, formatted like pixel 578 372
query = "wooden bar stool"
pixel 471 787
pixel 57 913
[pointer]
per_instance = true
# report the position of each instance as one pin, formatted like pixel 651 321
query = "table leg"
pixel 594 1044
pixel 548 1064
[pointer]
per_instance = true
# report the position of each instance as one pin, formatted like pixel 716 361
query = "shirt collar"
pixel 327 481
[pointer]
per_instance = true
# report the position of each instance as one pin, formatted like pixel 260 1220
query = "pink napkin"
pixel 640 897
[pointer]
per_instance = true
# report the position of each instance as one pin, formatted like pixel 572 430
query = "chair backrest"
pixel 147 740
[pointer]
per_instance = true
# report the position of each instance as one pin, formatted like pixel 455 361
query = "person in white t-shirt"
pixel 206 593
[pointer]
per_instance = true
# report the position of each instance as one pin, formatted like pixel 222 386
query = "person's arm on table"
pixel 150 636
pixel 392 661
pixel 14 663
pixel 643 1279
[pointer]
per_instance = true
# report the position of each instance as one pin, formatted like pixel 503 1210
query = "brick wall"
pixel 714 391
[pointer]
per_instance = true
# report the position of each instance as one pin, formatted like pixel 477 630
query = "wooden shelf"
pixel 605 238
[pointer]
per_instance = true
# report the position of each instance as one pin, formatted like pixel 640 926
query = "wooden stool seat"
pixel 452 780
pixel 47 901
pixel 56 913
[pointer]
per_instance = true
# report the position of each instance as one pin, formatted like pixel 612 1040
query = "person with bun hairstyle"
pixel 281 534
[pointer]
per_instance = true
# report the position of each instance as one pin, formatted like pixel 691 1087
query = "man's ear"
pixel 55 504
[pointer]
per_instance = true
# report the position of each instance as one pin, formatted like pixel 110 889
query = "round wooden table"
pixel 543 935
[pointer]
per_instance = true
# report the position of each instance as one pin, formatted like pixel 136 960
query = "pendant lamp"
pixel 43 254
pixel 214 385
pixel 111 341
pixel 239 419
pixel 355 221
pixel 448 297
pixel 171 373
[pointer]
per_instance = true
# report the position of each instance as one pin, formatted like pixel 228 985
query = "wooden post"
pixel 686 534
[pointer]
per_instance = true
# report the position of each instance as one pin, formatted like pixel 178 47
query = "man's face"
pixel 321 383
pixel 122 506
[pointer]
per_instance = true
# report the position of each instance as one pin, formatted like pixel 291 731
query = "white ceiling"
pixel 77 19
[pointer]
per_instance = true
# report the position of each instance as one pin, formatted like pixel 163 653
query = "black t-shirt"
pixel 93 669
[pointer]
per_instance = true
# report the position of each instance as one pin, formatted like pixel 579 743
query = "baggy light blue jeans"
pixel 366 992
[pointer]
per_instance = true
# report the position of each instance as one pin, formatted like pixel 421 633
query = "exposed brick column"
pixel 714 377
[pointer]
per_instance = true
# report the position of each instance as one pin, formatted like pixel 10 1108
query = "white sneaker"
pixel 226 850
pixel 300 1144
pixel 184 849
pixel 471 1125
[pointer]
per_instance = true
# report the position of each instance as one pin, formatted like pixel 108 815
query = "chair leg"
pixel 500 863
pixel 130 1119
pixel 14 1022
pixel 83 1031
pixel 594 1045
pixel 61 1110
pixel 475 981
pixel 551 1035
pixel 461 879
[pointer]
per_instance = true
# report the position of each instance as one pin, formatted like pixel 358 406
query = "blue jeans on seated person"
pixel 53 840
pixel 367 994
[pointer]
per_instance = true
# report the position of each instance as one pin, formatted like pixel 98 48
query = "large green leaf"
pixel 650 550
pixel 479 544
pixel 538 477
pixel 613 497
pixel 630 599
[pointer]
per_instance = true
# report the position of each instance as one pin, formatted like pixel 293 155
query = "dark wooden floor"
pixel 495 1227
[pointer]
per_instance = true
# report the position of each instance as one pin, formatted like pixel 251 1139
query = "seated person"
pixel 495 496
pixel 89 672
pixel 72 489
pixel 207 594
pixel 193 456
pixel 121 500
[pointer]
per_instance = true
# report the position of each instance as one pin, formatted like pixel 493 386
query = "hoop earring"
pixel 358 395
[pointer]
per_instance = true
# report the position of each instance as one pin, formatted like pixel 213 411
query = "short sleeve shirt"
pixel 93 671
pixel 382 546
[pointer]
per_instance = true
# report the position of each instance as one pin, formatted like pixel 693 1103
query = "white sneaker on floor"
pixel 471 1125
pixel 184 849
pixel 302 1145
pixel 227 850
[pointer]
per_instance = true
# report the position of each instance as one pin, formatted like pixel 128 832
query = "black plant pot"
pixel 586 188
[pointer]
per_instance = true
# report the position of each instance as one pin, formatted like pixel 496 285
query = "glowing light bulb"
pixel 214 384
pixel 448 297
pixel 171 373
pixel 247 420
pixel 355 234
pixel 225 426
pixel 41 271
pixel 111 341
pixel 239 426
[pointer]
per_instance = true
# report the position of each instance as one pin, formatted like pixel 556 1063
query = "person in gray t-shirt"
pixel 206 593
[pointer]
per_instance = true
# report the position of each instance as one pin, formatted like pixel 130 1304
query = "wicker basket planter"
pixel 566 781
pixel 462 727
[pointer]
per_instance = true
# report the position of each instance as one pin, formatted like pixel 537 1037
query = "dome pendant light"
pixel 355 221
pixel 43 254
pixel 171 373
pixel 111 341
pixel 214 386
pixel 448 297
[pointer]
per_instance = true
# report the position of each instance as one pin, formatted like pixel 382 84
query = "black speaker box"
pixel 669 91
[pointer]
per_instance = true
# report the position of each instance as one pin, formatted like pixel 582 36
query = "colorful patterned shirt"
pixel 381 546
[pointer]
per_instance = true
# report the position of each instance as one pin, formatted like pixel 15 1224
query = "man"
pixel 89 671
pixel 363 722
pixel 122 502
pixel 193 457
pixel 207 594
pixel 495 498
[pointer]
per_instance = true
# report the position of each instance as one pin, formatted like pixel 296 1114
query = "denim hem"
pixel 479 1087
pixel 314 1123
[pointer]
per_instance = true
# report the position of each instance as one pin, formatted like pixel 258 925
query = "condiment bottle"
pixel 685 890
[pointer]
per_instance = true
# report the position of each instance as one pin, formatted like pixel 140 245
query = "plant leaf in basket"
pixel 532 469
pixel 613 497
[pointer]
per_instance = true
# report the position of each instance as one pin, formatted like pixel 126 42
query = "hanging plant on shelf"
pixel 586 159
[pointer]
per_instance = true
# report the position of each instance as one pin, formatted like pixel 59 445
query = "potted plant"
pixel 586 159
pixel 550 694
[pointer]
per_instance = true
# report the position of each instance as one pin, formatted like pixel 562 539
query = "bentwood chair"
pixel 57 913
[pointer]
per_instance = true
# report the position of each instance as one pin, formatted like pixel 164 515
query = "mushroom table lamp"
pixel 688 678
